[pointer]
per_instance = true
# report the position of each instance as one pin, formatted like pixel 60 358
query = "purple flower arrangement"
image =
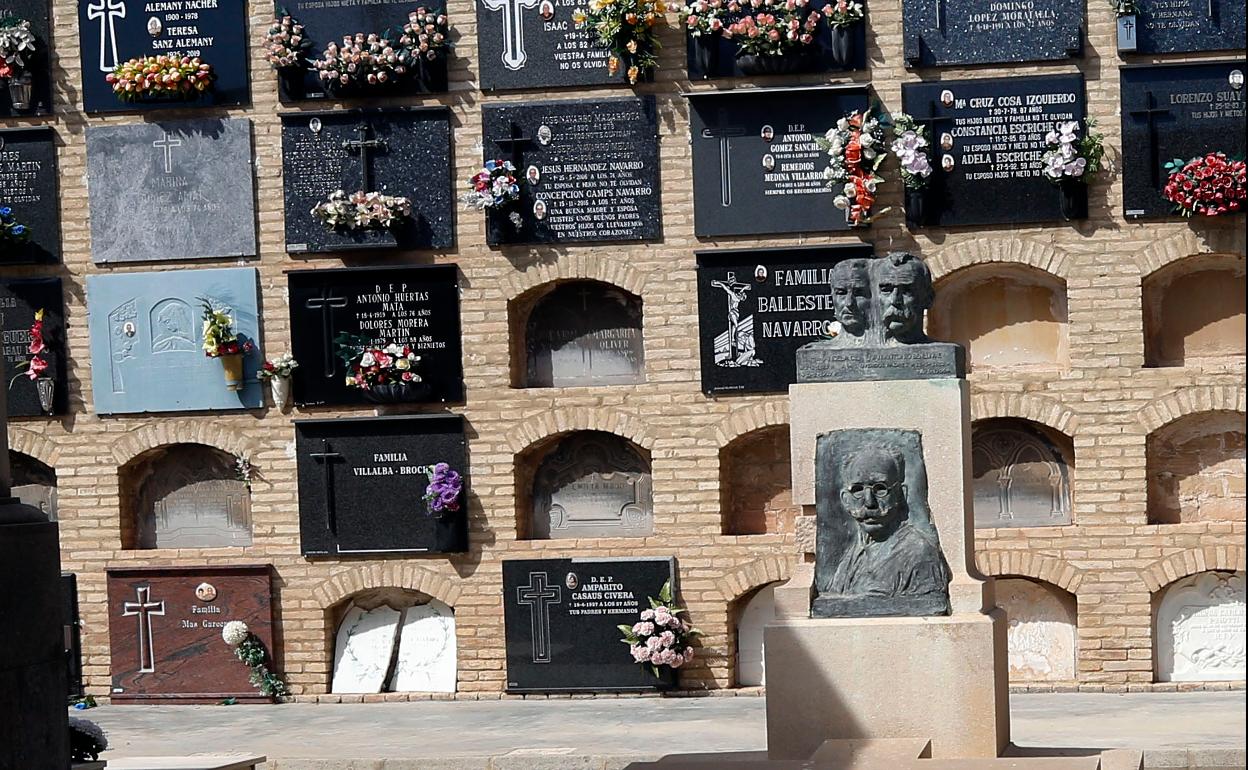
pixel 445 484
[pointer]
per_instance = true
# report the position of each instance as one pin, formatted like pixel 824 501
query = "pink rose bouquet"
pixel 661 637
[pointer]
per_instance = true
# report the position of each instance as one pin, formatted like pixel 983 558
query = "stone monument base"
pixel 846 678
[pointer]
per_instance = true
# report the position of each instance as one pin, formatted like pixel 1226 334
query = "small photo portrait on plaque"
pixel 946 141
pixel 768 133
pixel 946 97
pixel 769 162
pixel 946 162
pixel 533 175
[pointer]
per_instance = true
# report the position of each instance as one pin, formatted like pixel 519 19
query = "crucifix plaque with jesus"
pixel 404 152
pixel 560 618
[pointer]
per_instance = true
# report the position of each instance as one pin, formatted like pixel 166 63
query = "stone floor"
pixel 608 733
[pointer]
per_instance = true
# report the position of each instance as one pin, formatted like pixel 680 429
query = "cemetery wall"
pixel 1111 559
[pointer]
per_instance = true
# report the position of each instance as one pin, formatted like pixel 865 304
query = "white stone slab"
pixel 427 653
pixel 363 650
pixel 203 762
pixel 758 612
pixel 1200 629
pixel 1041 631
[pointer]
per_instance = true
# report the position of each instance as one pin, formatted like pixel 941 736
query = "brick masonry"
pixel 1105 399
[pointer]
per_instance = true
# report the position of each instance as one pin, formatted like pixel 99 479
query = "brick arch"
pixel 1027 406
pixel 1187 243
pixel 205 432
pixel 34 445
pixel 1191 561
pixel 593 267
pixel 741 421
pixel 736 583
pixel 565 420
pixel 1166 409
pixel 983 251
pixel 414 577
pixel 1028 564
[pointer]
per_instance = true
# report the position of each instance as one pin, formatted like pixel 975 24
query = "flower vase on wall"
pixel 20 88
pixel 1074 199
pixel 280 388
pixel 45 387
pixel 843 45
pixel 917 206
pixel 706 54
pixel 233 367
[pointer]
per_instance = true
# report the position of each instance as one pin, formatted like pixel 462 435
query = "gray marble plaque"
pixel 592 485
pixel 171 190
pixel 569 344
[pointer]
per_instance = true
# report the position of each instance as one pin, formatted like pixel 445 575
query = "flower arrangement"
pixel 707 18
pixel 1124 7
pixel 1071 157
pixel 660 637
pixel 426 33
pixel 279 367
pixel 244 471
pixel 361 210
pixel 37 365
pixel 12 232
pixel 445 484
pixel 771 28
pixel 86 740
pixel 844 13
pixel 250 650
pixel 911 146
pixel 220 339
pixel 854 150
pixel 285 45
pixel 17 45
pixel 370 366
pixel 628 30
pixel 364 60
pixel 1210 185
pixel 161 77
pixel 494 187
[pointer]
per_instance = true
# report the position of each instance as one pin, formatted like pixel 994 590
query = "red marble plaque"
pixel 165 624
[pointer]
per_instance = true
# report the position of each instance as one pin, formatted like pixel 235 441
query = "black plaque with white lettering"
pixel 1176 111
pixel 588 170
pixel 361 485
pixel 560 618
pixel 36 64
pixel 988 141
pixel 756 166
pixel 756 307
pixel 29 187
pixel 407 306
pixel 46 393
pixel 535 44
pixel 111 32
pixel 956 32
pixel 1181 26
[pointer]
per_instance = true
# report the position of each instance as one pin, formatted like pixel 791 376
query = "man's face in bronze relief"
pixel 873 492
pixel 851 296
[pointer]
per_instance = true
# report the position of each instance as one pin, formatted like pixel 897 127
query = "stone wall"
pixel 1111 559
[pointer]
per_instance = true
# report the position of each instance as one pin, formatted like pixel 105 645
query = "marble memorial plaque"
pixel 365 644
pixel 756 307
pixel 1041 634
pixel 411 306
pixel 37 65
pixel 111 32
pixel 171 190
pixel 756 166
pixel 48 394
pixel 584 333
pixel 426 661
pixel 588 170
pixel 1188 26
pixel 535 44
pixel 1020 479
pixel 147 340
pixel 164 629
pixel 1176 111
pixel 1200 629
pixel 328 22
pixel 592 485
pixel 560 618
pixel 403 152
pixel 361 488
pixel 30 187
pixel 191 497
pixel 989 136
pixel 957 32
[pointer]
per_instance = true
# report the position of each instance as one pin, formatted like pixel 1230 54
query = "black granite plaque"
pixel 956 32
pixel 588 169
pixel 29 185
pixel 535 44
pixel 36 65
pixel 1180 26
pixel 560 618
pixel 988 140
pixel 414 306
pixel 19 301
pixel 756 307
pixel 111 32
pixel 584 333
pixel 360 490
pixel 1177 111
pixel 328 22
pixel 756 166
pixel 398 152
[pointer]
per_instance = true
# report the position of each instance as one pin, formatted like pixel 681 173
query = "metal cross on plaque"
pixel 327 457
pixel 107 12
pixel 1150 113
pixel 327 303
pixel 363 145
pixel 144 608
pixel 514 143
pixel 539 597
pixel 514 55
pixel 724 134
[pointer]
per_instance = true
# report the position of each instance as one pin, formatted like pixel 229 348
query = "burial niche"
pixel 1193 310
pixel 1021 474
pixel 393 640
pixel 579 333
pixel 1005 316
pixel 34 483
pixel 755 483
pixel 1041 632
pixel 1199 631
pixel 1196 469
pixel 184 496
pixel 753 612
pixel 589 484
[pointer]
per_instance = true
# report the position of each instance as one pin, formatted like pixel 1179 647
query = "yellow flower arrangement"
pixel 628 29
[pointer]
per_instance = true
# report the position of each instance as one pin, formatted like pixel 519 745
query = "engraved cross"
pixel 167 143
pixel 327 303
pixel 514 144
pixel 327 457
pixel 107 12
pixel 539 597
pixel 144 608
pixel 1150 113
pixel 514 55
pixel 724 134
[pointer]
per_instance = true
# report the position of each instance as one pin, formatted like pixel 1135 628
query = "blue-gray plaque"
pixel 956 32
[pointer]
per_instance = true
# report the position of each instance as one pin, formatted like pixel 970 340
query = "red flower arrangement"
pixel 855 152
pixel 1210 186
pixel 370 365
pixel 37 364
